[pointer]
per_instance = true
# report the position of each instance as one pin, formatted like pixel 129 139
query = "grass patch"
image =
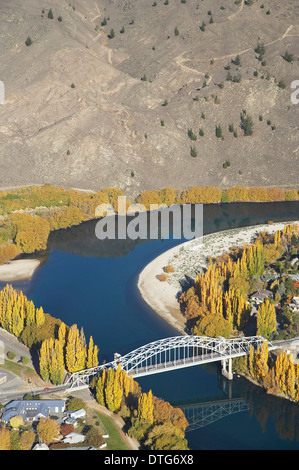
pixel 115 441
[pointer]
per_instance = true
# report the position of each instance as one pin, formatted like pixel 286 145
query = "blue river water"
pixel 93 283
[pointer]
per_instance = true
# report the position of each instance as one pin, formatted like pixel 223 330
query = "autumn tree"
pixel 266 319
pixel 5 443
pixel 75 350
pixel 52 361
pixel 47 430
pixel 27 439
pixel 16 421
pixel 145 407
pixel 166 437
pixel 92 355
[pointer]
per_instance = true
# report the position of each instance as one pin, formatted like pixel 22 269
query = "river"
pixel 93 283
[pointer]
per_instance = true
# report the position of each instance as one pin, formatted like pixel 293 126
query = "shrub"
pixel 246 123
pixel 226 164
pixel 218 132
pixel 191 134
pixel 50 14
pixel 28 41
pixel 169 268
pixel 162 277
pixel 288 57
pixel 281 84
pixel 193 152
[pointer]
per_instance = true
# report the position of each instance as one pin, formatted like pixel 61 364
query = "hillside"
pixel 86 110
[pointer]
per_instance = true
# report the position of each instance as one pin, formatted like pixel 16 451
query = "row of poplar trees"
pixel 67 352
pixel 16 311
pixel 280 377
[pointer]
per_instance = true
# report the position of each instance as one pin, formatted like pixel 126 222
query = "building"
pixel 32 410
pixel 76 414
pixel 259 296
pixel 71 421
pixel 74 438
pixel 40 446
pixel 294 305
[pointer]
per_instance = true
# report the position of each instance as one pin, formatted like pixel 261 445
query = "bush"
pixel 218 132
pixel 193 152
pixel 191 134
pixel 28 41
pixel 169 269
pixel 11 355
pixel 162 277
pixel 288 57
pixel 246 123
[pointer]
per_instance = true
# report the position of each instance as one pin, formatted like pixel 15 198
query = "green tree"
pixel 218 131
pixel 50 14
pixel 28 41
pixel 193 152
pixel 246 123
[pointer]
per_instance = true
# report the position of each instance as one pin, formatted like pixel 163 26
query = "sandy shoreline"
pixel 18 270
pixel 188 259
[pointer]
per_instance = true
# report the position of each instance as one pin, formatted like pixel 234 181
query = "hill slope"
pixel 85 110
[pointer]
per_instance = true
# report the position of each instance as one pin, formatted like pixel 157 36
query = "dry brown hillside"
pixel 87 111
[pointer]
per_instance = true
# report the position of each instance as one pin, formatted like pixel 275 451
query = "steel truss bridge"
pixel 200 415
pixel 174 353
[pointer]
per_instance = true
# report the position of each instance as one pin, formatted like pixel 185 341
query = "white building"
pixel 74 438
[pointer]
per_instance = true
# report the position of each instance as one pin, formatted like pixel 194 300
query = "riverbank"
pixel 18 270
pixel 188 259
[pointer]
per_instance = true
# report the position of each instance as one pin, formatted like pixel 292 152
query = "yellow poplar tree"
pixel 266 319
pixel 75 350
pixel 261 361
pixel 145 407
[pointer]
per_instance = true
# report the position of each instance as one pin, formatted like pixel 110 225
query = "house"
pixel 294 305
pixel 259 296
pixel 76 414
pixel 71 421
pixel 40 446
pixel 32 410
pixel 74 438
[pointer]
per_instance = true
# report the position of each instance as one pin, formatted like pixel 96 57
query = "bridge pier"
pixel 227 372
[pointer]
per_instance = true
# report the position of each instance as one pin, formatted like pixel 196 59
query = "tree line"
pixel 279 376
pixel 30 214
pixel 60 348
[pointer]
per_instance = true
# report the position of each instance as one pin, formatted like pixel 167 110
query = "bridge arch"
pixel 174 353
